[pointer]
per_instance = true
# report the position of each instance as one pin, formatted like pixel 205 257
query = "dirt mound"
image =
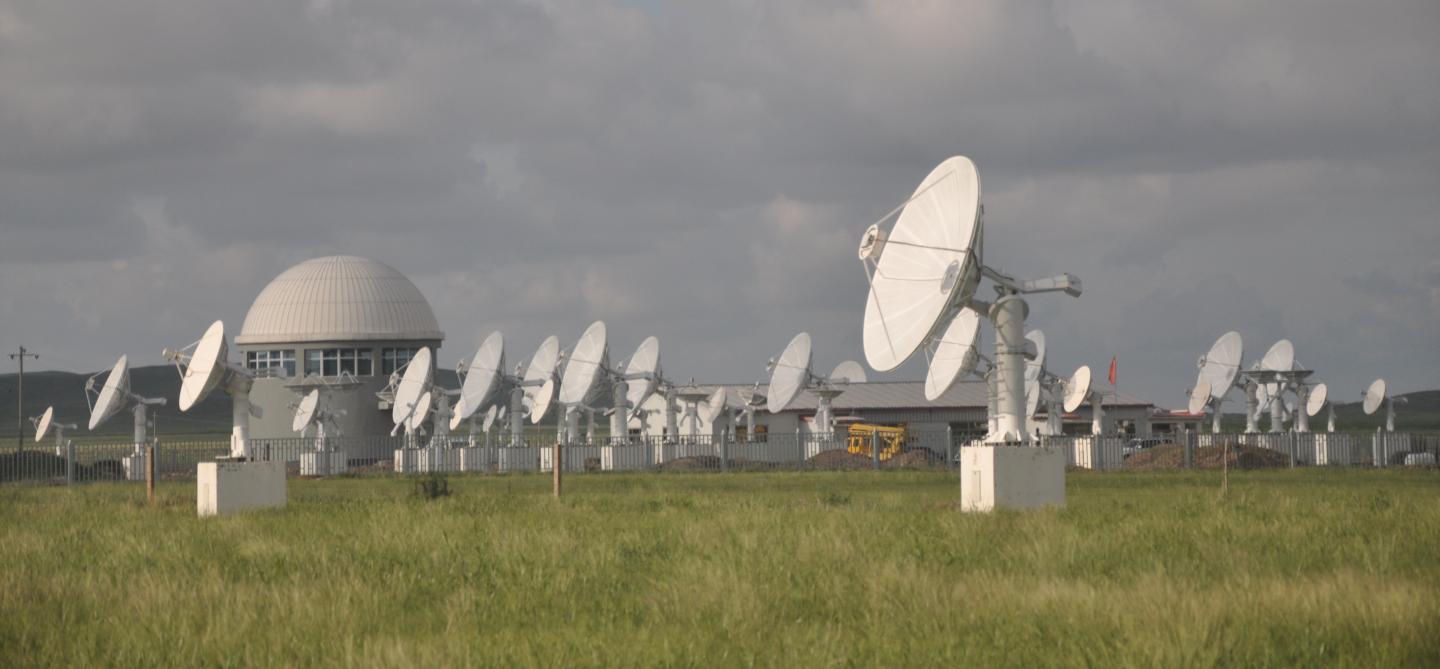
pixel 692 463
pixel 839 459
pixel 916 458
pixel 1172 456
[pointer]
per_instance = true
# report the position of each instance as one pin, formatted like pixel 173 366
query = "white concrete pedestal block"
pixel 229 486
pixel 134 467
pixel 323 463
pixel 1011 477
pixel 407 461
pixel 525 459
pixel 474 459
pixel 438 460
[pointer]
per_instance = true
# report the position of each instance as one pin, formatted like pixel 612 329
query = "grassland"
pixel 1292 568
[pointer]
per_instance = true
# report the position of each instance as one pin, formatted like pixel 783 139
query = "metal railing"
pixel 80 463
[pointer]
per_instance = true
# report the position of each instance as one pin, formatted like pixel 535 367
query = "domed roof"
pixel 339 298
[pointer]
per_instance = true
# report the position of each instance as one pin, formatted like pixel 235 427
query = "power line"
pixel 20 397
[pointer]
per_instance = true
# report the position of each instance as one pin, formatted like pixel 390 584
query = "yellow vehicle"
pixel 892 439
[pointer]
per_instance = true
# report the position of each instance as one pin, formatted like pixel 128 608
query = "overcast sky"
pixel 703 171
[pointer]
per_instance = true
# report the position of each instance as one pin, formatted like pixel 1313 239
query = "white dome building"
pixel 328 319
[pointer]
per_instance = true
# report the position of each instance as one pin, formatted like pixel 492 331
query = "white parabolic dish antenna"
pixel 1374 396
pixel 1199 396
pixel 1318 395
pixel 955 354
pixel 43 425
pixel 539 382
pixel 413 383
pixel 642 370
pixel 713 407
pixel 1221 365
pixel 790 373
pixel 1280 357
pixel 1034 369
pixel 205 368
pixel 112 393
pixel 1077 388
pixel 305 412
pixel 584 365
pixel 421 412
pixel 482 378
pixel 847 372
pixel 929 265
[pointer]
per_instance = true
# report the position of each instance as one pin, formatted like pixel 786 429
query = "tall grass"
pixel 1302 568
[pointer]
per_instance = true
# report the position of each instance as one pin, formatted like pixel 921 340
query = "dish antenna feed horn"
pixel 925 270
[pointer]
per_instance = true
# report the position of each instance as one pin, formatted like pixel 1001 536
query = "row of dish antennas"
pixel 495 398
pixel 924 272
pixel 1276 384
pixel 203 367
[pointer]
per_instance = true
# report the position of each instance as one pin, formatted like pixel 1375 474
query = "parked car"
pixel 1137 445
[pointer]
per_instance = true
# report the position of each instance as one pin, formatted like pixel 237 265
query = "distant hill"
pixel 66 392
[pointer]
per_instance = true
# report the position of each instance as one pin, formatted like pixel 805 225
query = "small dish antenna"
pixel 1077 389
pixel 45 423
pixel 714 407
pixel 790 374
pixel 1375 397
pixel 480 383
pixel 956 354
pixel 111 395
pixel 924 272
pixel 309 411
pixel 1320 399
pixel 203 367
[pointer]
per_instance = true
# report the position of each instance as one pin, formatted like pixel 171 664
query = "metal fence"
pixel 358 455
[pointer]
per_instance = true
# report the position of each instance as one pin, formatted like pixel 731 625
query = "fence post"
pixel 949 447
pixel 1189 449
pixel 875 449
pixel 724 450
pixel 557 465
pixel 799 448
pixel 150 473
pixel 69 462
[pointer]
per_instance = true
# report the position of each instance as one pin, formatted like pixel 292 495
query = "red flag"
pixel 1112 370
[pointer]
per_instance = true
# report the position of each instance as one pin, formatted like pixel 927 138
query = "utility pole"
pixel 20 397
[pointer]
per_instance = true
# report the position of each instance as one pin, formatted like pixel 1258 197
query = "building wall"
pixel 365 414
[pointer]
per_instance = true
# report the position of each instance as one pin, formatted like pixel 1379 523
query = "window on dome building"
pixel 272 363
pixel 337 361
pixel 392 359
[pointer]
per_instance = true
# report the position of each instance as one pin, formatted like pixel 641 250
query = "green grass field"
pixel 1317 567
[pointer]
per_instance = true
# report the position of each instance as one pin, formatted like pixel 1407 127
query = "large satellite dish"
pixel 1319 395
pixel 206 367
pixel 539 381
pixel 924 273
pixel 714 406
pixel 42 426
pixel 847 372
pixel 956 354
pixel 483 378
pixel 1077 389
pixel 1221 365
pixel 1199 396
pixel 642 370
pixel 416 418
pixel 113 393
pixel 1374 396
pixel 1280 357
pixel 414 382
pixel 583 367
pixel 926 265
pixel 790 373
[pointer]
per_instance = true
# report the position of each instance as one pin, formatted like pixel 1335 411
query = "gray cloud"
pixel 702 171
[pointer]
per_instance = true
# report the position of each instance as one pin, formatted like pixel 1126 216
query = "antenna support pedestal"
pixel 1008 315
